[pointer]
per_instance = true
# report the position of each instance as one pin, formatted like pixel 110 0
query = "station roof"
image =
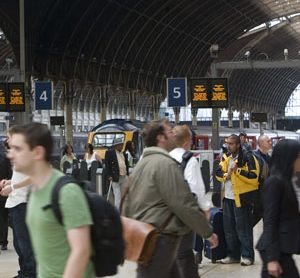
pixel 136 44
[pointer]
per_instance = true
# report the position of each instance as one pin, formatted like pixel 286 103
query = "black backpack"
pixel 106 232
pixel 185 159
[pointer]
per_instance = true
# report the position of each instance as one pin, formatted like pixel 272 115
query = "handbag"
pixel 140 240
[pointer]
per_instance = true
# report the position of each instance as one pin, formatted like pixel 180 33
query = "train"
pixel 203 134
pixel 102 136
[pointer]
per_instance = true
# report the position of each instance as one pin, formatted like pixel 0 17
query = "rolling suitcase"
pixel 216 220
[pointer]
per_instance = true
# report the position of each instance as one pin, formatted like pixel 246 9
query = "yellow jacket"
pixel 244 180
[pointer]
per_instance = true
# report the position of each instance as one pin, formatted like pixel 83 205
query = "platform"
pixel 9 265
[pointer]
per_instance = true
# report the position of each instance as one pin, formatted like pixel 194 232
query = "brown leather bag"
pixel 140 237
pixel 140 240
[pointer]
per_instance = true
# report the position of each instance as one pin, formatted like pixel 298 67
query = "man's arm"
pixel 221 174
pixel 9 187
pixel 250 176
pixel 80 243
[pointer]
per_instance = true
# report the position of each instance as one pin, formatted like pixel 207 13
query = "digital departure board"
pixel 209 92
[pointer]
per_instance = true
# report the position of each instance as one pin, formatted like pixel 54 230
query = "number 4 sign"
pixel 176 89
pixel 43 95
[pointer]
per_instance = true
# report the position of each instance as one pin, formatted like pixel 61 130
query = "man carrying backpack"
pixel 263 157
pixel 60 250
pixel 192 174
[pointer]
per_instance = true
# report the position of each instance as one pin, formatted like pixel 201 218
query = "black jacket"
pixel 281 233
pixel 112 165
pixel 5 168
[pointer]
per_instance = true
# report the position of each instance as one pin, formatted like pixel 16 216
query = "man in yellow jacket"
pixel 239 173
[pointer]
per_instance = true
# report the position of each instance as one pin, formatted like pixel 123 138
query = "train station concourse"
pixel 97 71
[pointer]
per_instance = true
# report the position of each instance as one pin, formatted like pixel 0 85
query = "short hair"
pixel 152 130
pixel 235 138
pixel 260 139
pixel 36 134
pixel 182 133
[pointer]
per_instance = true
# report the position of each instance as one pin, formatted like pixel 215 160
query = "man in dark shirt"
pixel 263 157
pixel 5 173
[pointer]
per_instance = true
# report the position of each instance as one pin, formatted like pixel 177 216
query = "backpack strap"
pixel 55 196
pixel 185 159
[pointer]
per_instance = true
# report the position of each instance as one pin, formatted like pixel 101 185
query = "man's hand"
pixel 233 167
pixel 274 268
pixel 6 190
pixel 4 183
pixel 213 241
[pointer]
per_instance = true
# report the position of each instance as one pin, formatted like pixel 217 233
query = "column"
pixel 230 117
pixel 103 103
pixel 241 117
pixel 68 107
pixel 177 113
pixel 274 118
pixel 132 105
pixel 194 116
pixel 155 106
pixel 215 142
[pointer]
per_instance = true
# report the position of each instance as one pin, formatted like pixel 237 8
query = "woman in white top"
pixel 89 157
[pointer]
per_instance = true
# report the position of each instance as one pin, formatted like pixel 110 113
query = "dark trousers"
pixel 22 242
pixel 163 260
pixel 198 244
pixel 3 221
pixel 185 258
pixel 257 213
pixel 238 230
pixel 287 264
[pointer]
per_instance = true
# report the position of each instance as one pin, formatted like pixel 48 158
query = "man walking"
pixel 192 174
pixel 60 250
pixel 117 168
pixel 239 172
pixel 158 195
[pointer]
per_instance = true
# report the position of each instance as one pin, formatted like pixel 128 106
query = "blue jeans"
pixel 238 230
pixel 22 242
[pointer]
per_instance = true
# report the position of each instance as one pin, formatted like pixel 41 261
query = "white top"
pixel 228 184
pixel 121 162
pixel 193 176
pixel 17 196
pixel 90 160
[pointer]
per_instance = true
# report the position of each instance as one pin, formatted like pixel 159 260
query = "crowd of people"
pixel 165 189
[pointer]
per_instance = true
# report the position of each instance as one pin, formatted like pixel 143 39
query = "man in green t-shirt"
pixel 60 250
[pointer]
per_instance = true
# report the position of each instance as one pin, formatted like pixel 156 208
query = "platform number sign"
pixel 43 95
pixel 176 89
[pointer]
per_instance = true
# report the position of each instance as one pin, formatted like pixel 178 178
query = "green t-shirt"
pixel 49 238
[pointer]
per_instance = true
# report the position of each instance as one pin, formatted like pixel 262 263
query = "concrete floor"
pixel 9 265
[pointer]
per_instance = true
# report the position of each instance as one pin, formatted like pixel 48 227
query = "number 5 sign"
pixel 43 95
pixel 176 89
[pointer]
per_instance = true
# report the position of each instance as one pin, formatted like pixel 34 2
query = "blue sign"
pixel 176 89
pixel 43 95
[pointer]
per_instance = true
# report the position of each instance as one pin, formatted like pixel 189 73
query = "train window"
pixel 2 126
pixel 105 140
